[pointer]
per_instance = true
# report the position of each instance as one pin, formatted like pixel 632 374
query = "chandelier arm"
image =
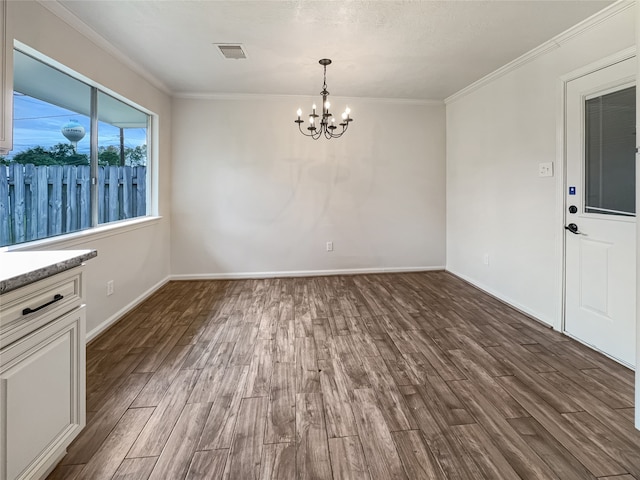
pixel 330 133
pixel 315 136
pixel 344 129
pixel 335 135
pixel 302 131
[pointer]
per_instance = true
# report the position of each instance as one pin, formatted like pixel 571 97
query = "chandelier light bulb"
pixel 347 110
pixel 344 115
pixel 299 112
pixel 327 105
pixel 314 108
pixel 310 119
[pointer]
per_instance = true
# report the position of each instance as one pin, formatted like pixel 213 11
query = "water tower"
pixel 73 131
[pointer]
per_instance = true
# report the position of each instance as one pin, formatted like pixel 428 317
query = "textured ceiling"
pixel 380 49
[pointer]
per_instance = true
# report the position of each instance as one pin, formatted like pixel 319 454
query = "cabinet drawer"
pixel 14 323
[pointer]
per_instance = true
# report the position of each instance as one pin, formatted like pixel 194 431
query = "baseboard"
pixel 499 296
pixel 301 273
pixel 124 310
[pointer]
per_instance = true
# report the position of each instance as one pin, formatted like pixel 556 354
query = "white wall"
pixel 496 203
pixel 137 259
pixel 252 195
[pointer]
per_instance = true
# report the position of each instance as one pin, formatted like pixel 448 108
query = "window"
pixel 610 151
pixel 79 158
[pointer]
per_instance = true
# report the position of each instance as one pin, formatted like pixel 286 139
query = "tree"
pixel 108 155
pixel 65 154
pixel 136 156
pixel 36 156
pixel 59 154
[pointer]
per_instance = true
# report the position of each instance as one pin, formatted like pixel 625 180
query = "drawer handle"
pixel 56 298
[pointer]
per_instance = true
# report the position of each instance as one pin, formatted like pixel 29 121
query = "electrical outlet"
pixel 545 169
pixel 109 287
pixel 485 259
pixel 329 246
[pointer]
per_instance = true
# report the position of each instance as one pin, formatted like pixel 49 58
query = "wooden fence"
pixel 42 201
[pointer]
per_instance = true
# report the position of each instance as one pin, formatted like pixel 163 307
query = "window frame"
pixel 99 230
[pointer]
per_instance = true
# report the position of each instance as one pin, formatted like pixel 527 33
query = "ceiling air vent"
pixel 232 51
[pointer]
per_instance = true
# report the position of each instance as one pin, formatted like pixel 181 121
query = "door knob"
pixel 573 228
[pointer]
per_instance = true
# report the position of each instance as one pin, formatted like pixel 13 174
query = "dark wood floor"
pixel 415 376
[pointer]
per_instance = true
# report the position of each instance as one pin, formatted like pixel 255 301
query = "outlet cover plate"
pixel 545 169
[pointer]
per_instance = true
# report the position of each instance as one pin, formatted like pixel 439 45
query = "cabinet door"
pixel 6 82
pixel 42 385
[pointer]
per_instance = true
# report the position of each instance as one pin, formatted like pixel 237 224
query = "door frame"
pixel 561 184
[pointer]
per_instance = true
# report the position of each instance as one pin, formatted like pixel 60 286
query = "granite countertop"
pixel 18 269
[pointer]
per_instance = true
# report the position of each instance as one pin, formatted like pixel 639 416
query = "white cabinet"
pixel 6 82
pixel 42 374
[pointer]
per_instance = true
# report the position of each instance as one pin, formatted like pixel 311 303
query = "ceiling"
pixel 380 49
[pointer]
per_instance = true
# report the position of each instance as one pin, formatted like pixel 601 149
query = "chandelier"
pixel 326 126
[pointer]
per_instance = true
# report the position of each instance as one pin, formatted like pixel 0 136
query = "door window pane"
pixel 610 145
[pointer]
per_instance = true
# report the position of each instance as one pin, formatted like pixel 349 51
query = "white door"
pixel 600 211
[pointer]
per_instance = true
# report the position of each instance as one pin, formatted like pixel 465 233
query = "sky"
pixel 38 123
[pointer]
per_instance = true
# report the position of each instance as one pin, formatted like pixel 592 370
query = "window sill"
pixel 84 236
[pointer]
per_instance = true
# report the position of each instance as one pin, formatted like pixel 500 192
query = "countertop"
pixel 18 269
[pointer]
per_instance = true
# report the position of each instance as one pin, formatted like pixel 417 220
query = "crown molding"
pixel 280 97
pixel 74 22
pixel 552 44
